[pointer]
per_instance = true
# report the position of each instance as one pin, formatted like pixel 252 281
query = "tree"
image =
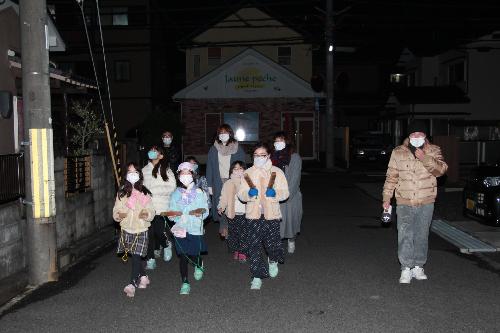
pixel 85 128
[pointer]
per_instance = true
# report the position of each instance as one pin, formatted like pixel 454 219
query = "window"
pixel 214 56
pixel 244 124
pixel 117 16
pixel 397 78
pixel 212 122
pixel 77 174
pixel 285 55
pixel 456 73
pixel 122 71
pixel 196 65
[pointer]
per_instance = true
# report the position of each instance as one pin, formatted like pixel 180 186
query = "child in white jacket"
pixel 160 180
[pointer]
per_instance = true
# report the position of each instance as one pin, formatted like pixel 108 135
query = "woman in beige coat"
pixel 262 188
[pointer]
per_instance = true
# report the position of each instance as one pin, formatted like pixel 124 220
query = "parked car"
pixel 371 146
pixel 481 195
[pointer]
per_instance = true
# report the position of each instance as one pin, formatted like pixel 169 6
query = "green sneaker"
pixel 185 289
pixel 256 284
pixel 273 269
pixel 198 273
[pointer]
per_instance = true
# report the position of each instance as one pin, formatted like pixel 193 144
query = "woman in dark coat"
pixel 290 162
pixel 221 155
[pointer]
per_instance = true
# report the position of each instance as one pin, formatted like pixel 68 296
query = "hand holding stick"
pixel 197 212
pixel 171 213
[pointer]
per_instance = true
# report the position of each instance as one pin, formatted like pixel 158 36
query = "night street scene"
pixel 250 166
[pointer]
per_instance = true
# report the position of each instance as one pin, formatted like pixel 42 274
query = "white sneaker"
pixel 418 273
pixel 291 246
pixel 406 275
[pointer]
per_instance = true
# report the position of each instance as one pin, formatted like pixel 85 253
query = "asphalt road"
pixel 342 278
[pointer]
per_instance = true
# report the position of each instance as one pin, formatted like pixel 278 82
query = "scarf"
pixel 137 197
pixel 228 149
pixel 281 158
pixel 188 195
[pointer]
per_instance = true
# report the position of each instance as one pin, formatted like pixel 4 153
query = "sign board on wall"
pixel 248 75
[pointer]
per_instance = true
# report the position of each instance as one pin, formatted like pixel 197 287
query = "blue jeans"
pixel 413 234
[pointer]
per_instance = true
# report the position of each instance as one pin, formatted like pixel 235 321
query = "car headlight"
pixel 360 152
pixel 491 181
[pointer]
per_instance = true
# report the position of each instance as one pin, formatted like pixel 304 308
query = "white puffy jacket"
pixel 160 189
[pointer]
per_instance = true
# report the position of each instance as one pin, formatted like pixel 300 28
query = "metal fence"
pixel 77 174
pixel 11 177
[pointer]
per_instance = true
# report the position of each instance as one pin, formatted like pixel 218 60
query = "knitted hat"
pixel 185 166
pixel 417 125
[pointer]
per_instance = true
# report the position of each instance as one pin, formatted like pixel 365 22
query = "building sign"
pixel 248 75
pixel 249 79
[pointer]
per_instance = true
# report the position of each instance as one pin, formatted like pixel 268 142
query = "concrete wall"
pixel 83 222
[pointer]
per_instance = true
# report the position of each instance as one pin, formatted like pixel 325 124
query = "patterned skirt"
pixel 133 243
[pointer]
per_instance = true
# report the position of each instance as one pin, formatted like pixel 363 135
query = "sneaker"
pixel 198 273
pixel 256 284
pixel 291 246
pixel 418 273
pixel 236 255
pixel 151 264
pixel 143 282
pixel 167 252
pixel 157 253
pixel 273 269
pixel 242 258
pixel 406 275
pixel 185 289
pixel 129 290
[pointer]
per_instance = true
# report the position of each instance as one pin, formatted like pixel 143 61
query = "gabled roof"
pixel 56 42
pixel 241 17
pixel 250 74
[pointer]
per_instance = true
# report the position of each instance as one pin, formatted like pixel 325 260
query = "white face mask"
pixel 259 161
pixel 133 177
pixel 279 145
pixel 167 141
pixel 224 137
pixel 186 179
pixel 417 142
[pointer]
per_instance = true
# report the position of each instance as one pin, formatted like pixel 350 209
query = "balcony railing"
pixel 11 177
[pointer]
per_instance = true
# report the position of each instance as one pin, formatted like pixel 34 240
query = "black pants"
pixel 137 270
pixel 261 234
pixel 156 236
pixel 183 265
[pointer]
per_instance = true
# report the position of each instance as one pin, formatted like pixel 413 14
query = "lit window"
pixel 285 55
pixel 244 124
pixel 397 78
pixel 214 56
pixel 120 16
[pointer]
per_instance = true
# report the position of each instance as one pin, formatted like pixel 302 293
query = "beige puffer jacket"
pixel 413 180
pixel 133 223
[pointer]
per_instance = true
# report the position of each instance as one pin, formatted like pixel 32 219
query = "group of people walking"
pixel 256 207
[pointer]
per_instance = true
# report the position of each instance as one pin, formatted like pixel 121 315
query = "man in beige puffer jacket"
pixel 411 175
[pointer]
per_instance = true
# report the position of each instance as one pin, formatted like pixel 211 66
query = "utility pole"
pixel 39 155
pixel 330 48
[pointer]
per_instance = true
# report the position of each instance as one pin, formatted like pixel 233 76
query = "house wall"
pixel 270 110
pixel 9 39
pixel 83 223
pixel 483 80
pixel 248 33
pixel 301 59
